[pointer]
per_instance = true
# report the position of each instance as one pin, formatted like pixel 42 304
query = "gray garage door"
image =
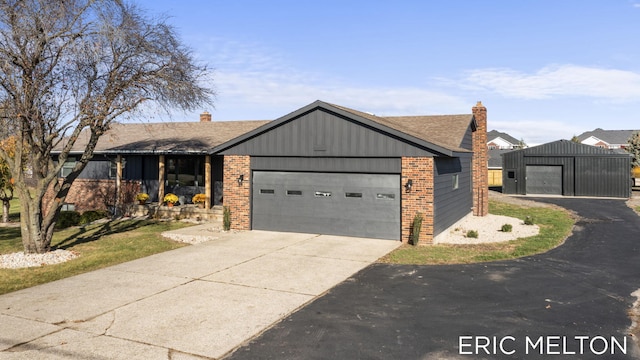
pixel 363 205
pixel 544 180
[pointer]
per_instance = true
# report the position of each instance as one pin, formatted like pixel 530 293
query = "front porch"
pixel 182 175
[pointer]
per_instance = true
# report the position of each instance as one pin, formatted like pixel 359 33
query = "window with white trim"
pixel 67 167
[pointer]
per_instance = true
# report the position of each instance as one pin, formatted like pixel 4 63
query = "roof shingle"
pixel 447 131
pixel 167 137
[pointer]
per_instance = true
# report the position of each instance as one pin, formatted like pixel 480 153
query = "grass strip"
pixel 555 226
pixel 98 246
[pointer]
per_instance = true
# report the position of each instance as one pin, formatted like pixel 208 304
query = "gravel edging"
pixel 20 260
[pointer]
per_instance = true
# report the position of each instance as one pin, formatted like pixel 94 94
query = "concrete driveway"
pixel 196 302
pixel 584 288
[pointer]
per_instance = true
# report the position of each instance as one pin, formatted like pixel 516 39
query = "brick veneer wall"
pixel 237 196
pixel 480 164
pixel 96 194
pixel 419 199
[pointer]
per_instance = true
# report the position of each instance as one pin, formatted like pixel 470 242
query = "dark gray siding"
pixel 586 170
pixel 450 205
pixel 603 176
pixel 467 141
pixel 97 168
pixel 324 134
pixel 564 148
pixel 516 161
pixel 150 183
pixel 323 164
pixel 133 168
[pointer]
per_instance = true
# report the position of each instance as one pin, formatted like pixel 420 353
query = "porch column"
pixel 118 183
pixel 160 178
pixel 207 182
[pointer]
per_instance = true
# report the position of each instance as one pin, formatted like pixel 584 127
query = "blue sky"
pixel 545 69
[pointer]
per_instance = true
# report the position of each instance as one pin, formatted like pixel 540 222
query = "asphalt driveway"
pixel 570 303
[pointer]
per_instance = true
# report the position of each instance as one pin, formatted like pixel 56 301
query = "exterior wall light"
pixel 240 179
pixel 408 185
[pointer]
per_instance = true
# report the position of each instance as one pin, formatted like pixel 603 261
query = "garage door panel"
pixel 338 204
pixel 544 179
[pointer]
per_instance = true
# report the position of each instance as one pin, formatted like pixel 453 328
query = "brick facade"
pixel 93 194
pixel 419 199
pixel 237 196
pixel 480 164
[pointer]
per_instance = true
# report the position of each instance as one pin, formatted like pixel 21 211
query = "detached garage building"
pixel 567 168
pixel 332 170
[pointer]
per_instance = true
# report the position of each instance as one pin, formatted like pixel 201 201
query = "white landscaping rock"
pixel 21 260
pixel 488 228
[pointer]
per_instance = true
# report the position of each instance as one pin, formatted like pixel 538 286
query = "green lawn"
pixel 102 245
pixel 555 226
pixel 98 246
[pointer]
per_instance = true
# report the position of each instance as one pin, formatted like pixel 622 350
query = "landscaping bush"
pixel 507 228
pixel 226 218
pixel 90 216
pixel 472 234
pixel 416 226
pixel 528 220
pixel 67 219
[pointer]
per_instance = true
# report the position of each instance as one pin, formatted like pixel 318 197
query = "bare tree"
pixel 76 66
pixel 7 145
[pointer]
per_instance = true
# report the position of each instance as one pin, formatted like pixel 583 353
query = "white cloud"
pixel 534 132
pixel 270 89
pixel 252 76
pixel 559 80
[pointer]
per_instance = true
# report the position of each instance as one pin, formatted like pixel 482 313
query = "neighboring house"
pixel 502 141
pixel 322 169
pixel 606 139
pixel 499 143
pixel 567 168
pixel 495 166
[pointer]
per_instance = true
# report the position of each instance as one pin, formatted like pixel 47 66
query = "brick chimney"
pixel 480 165
pixel 205 117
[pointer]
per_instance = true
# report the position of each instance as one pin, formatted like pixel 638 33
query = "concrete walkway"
pixel 200 301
